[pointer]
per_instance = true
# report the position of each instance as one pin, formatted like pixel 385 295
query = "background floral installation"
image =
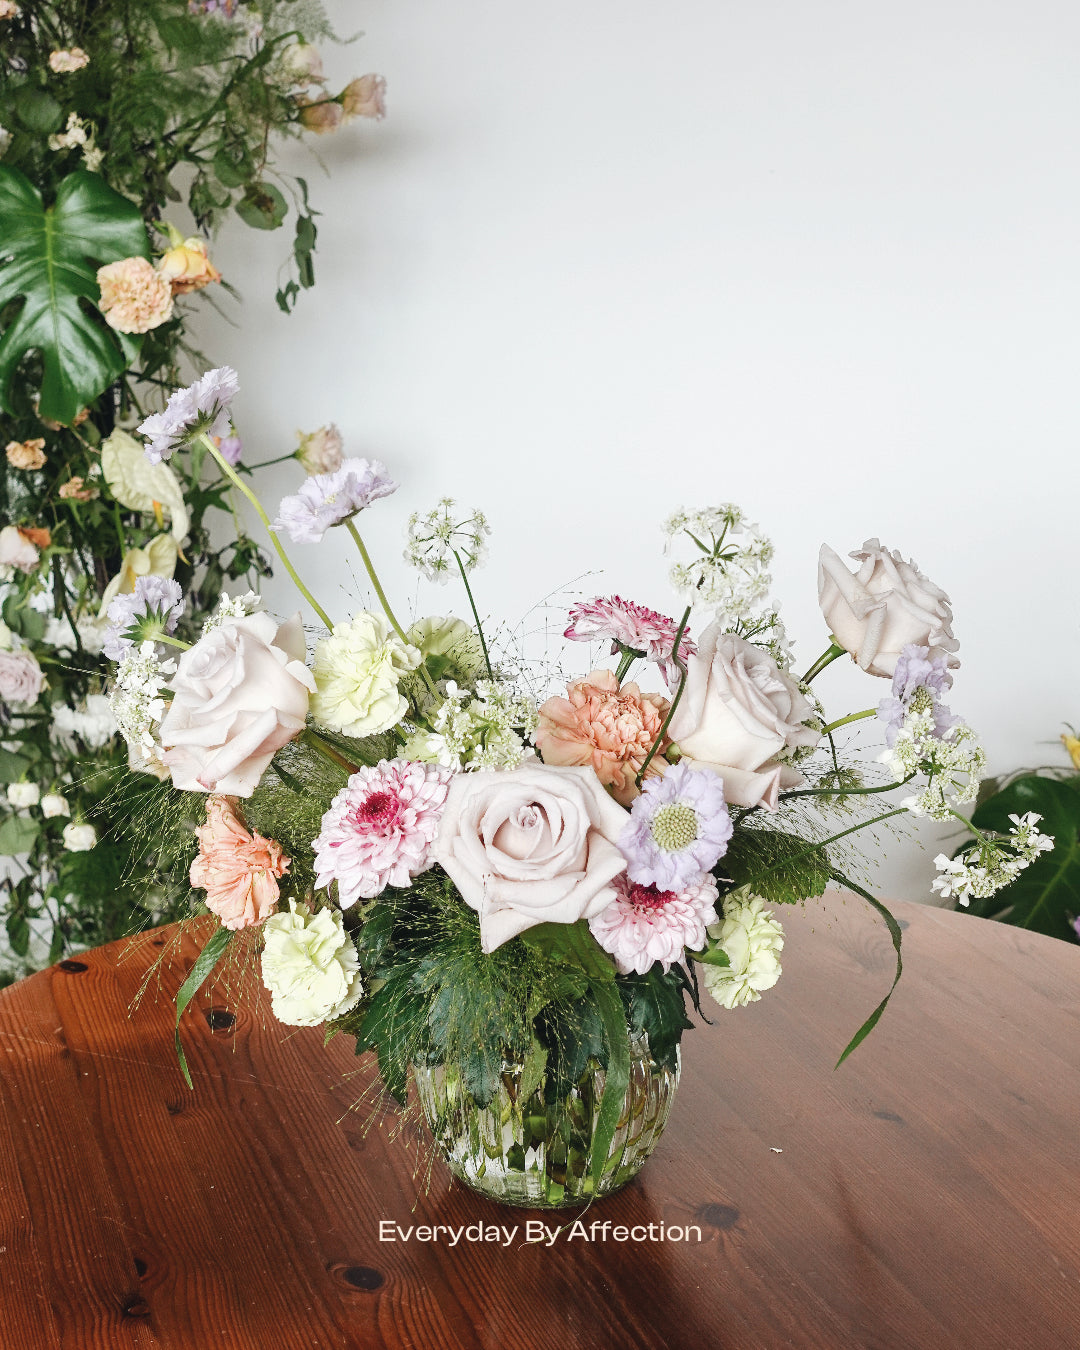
pixel 119 118
pixel 473 871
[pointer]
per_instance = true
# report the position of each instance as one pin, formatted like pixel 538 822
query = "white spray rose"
pixel 310 966
pixel 54 804
pixel 883 607
pixel 753 941
pixel 23 794
pixel 79 838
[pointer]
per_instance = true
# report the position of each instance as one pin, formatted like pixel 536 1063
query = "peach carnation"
pixel 238 870
pixel 187 267
pixel 26 454
pixel 63 62
pixel 75 490
pixel 134 297
pixel 604 726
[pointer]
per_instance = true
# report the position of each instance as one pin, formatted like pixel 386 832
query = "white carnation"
pixel 357 671
pixel 310 966
pixel 753 941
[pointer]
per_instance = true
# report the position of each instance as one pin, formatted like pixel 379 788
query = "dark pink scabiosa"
pixel 380 829
pixel 632 627
pixel 678 829
pixel 643 925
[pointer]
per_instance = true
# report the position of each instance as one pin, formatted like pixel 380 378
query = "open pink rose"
pixel 738 711
pixel 21 678
pixel 238 696
pixel 605 726
pixel 239 871
pixel 530 845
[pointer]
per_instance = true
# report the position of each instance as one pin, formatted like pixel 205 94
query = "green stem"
pixel 327 751
pixel 626 660
pixel 265 464
pixel 173 642
pixel 234 478
pixel 476 616
pixel 851 717
pixel 825 659
pixel 374 579
pixel 675 701
pixel 845 792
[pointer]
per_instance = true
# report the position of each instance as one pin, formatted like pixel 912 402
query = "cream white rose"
pixel 79 838
pixel 738 712
pixel 887 604
pixel 23 794
pixel 535 844
pixel 753 941
pixel 55 804
pixel 21 678
pixel 310 966
pixel 238 696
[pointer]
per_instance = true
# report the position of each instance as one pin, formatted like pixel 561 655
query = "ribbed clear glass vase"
pixel 540 1154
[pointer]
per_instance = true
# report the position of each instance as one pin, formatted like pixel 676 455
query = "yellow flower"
pixel 157 559
pixel 186 267
pixel 1072 745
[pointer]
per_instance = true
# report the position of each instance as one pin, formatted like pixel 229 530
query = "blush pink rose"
pixel 530 845
pixel 21 679
pixel 239 871
pixel 605 726
pixel 238 696
pixel 738 712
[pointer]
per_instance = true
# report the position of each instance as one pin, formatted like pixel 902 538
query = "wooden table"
pixel 926 1194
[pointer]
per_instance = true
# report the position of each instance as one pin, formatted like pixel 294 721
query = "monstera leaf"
pixel 49 258
pixel 1045 897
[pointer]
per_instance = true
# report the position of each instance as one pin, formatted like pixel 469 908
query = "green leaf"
pixel 617 1078
pixel 712 956
pixel 394 1027
pixel 897 937
pixel 18 932
pixel 262 207
pixel 12 766
pixel 1045 897
pixel 780 867
pixel 208 958
pixel 532 1069
pixel 233 162
pixel 38 111
pixel 573 944
pixel 51 260
pixel 654 1004
pixel 17 835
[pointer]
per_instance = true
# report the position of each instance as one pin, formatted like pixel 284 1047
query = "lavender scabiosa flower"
pixel 922 675
pixel 678 829
pixel 154 607
pixel 231 448
pixel 631 628
pixel 328 499
pixel 202 407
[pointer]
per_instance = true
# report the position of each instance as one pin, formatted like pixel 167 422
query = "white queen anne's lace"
pixel 728 567
pixel 991 864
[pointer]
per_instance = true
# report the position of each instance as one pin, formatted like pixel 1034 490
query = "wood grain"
pixel 925 1194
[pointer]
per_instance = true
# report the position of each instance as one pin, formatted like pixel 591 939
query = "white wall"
pixel 605 258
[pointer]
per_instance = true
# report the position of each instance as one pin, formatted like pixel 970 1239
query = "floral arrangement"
pixel 116 114
pixel 505 881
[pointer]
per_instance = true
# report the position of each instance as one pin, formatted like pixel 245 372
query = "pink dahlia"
pixel 380 829
pixel 644 925
pixel 630 626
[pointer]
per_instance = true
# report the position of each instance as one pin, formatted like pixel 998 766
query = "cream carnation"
pixel 357 672
pixel 63 62
pixel 753 941
pixel 134 297
pixel 310 966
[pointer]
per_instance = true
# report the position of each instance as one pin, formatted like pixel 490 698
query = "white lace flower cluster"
pixel 485 730
pixel 729 572
pixel 952 761
pixel 137 704
pixel 232 607
pixel 435 538
pixel 992 864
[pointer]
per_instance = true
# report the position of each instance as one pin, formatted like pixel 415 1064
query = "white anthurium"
pixel 157 559
pixel 138 484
